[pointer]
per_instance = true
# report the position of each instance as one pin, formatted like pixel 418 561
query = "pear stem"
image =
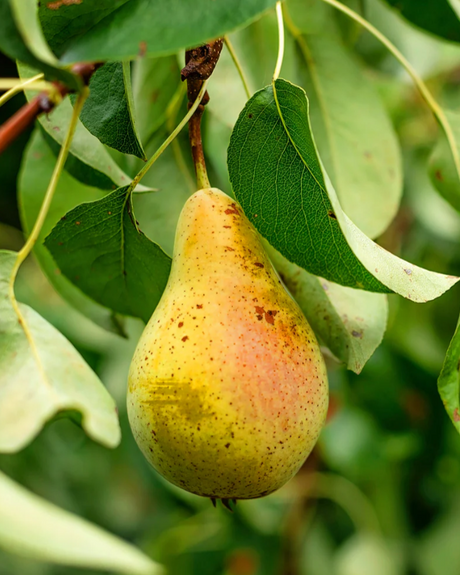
pixel 199 65
pixel 196 145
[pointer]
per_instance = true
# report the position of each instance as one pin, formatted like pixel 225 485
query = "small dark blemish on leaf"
pixel 142 48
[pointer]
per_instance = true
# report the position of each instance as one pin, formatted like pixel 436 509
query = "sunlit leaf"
pixel 88 152
pixel 100 248
pixel 41 374
pixel 364 549
pixel 25 13
pixel 19 30
pixel 35 528
pixel 277 178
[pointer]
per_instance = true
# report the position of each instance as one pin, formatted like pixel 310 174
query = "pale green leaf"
pixel 19 29
pixel 26 17
pixel 449 380
pixel 442 169
pixel 85 148
pixel 35 528
pixel 42 374
pixel 363 550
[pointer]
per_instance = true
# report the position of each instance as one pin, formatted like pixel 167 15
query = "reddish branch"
pixel 42 103
pixel 199 65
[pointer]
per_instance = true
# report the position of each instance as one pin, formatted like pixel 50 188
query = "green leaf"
pixel 41 374
pixel 102 251
pixel 435 16
pixel 35 528
pixel 353 132
pixel 442 170
pixel 62 22
pixel 277 177
pixel 37 168
pixel 449 380
pixel 108 112
pixel 351 323
pixel 156 82
pixel 19 30
pixel 88 153
pixel 25 13
pixel 81 171
pixel 157 28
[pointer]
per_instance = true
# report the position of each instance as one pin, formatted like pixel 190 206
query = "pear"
pixel 227 387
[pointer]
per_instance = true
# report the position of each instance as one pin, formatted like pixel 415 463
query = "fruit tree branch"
pixel 43 103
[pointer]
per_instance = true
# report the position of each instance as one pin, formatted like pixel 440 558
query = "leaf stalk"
pixel 279 61
pixel 170 138
pixel 62 157
pixel 238 66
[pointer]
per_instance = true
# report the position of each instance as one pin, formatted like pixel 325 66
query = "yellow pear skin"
pixel 227 388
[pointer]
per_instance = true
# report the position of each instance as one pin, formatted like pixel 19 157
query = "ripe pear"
pixel 227 388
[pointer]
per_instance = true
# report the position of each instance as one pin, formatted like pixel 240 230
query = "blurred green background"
pixel 380 494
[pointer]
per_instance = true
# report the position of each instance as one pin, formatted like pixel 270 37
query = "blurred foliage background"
pixel 381 492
